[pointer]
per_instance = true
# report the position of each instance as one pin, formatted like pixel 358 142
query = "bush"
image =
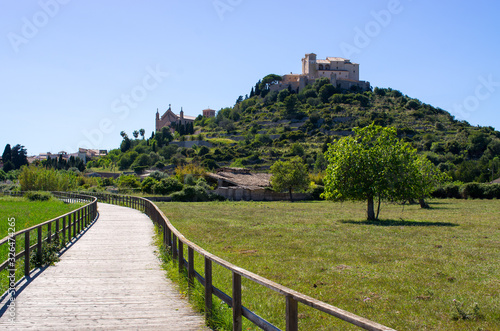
pixel 148 184
pixel 33 178
pixel 472 190
pixel 448 191
pixel 167 186
pixel 38 196
pixel 3 175
pixel 191 194
pixel 492 191
pixel 128 181
pixel 315 191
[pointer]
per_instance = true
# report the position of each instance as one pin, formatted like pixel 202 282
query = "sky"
pixel 75 73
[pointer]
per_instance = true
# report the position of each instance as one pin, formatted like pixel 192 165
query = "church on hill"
pixel 169 119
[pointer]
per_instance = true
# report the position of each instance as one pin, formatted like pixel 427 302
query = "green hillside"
pixel 266 126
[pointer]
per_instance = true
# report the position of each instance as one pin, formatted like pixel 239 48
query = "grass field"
pixel 26 214
pixel 404 271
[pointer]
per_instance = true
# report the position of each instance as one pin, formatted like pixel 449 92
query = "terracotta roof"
pixel 341 59
pixel 496 181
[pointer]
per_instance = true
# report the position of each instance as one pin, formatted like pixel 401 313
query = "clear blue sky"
pixel 75 73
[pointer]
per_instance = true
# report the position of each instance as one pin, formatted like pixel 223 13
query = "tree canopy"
pixel 375 164
pixel 289 175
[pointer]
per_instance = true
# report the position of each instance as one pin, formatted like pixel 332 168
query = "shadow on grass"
pixel 400 222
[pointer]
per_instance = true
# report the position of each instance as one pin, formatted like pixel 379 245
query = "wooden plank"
pixel 110 279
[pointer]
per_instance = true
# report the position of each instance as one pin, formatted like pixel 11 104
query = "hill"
pixel 266 126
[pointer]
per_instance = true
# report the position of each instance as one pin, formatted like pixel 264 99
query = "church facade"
pixel 170 119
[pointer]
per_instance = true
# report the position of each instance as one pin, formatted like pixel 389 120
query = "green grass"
pixel 403 272
pixel 26 214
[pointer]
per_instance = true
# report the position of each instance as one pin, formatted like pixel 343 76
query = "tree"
pixel 289 175
pixel 19 156
pixel 326 91
pixel 142 132
pixel 291 102
pixel 376 164
pixel 7 153
pixel 135 134
pixel 269 80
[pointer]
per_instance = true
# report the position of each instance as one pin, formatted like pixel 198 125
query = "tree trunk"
pixel 423 204
pixel 370 210
pixel 290 191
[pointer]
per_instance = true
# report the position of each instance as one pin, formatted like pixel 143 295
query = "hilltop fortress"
pixel 341 72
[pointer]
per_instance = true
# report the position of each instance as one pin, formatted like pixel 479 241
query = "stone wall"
pixel 240 193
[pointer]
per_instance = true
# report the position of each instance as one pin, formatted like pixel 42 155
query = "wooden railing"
pixel 61 229
pixel 175 241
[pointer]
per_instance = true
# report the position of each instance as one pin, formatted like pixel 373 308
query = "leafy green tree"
pixel 269 80
pixel 319 83
pixel 291 103
pixel 289 175
pixel 283 94
pixel 326 91
pixel 375 164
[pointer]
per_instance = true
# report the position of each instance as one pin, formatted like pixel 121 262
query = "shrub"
pixel 315 191
pixel 34 178
pixel 38 196
pixel 492 191
pixel 148 184
pixel 128 181
pixel 472 190
pixel 191 194
pixel 448 191
pixel 3 175
pixel 167 186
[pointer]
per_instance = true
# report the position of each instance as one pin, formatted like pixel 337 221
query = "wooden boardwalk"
pixel 110 279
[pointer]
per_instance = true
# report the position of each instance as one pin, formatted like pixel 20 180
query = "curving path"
pixel 110 279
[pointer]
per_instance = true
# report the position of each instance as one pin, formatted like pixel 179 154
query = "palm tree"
pixel 135 134
pixel 142 132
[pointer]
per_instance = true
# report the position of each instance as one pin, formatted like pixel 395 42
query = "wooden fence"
pixel 175 241
pixel 61 229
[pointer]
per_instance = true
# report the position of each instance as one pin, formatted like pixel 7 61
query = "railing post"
pixel 49 233
pixel 63 230
pixel 181 256
pixel 237 320
pixel 75 220
pixel 39 244
pixel 27 254
pixel 57 229
pixel 12 260
pixel 174 247
pixel 68 228
pixel 190 266
pixel 292 314
pixel 169 237
pixel 208 288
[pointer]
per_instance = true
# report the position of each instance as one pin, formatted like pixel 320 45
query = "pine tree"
pixel 252 93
